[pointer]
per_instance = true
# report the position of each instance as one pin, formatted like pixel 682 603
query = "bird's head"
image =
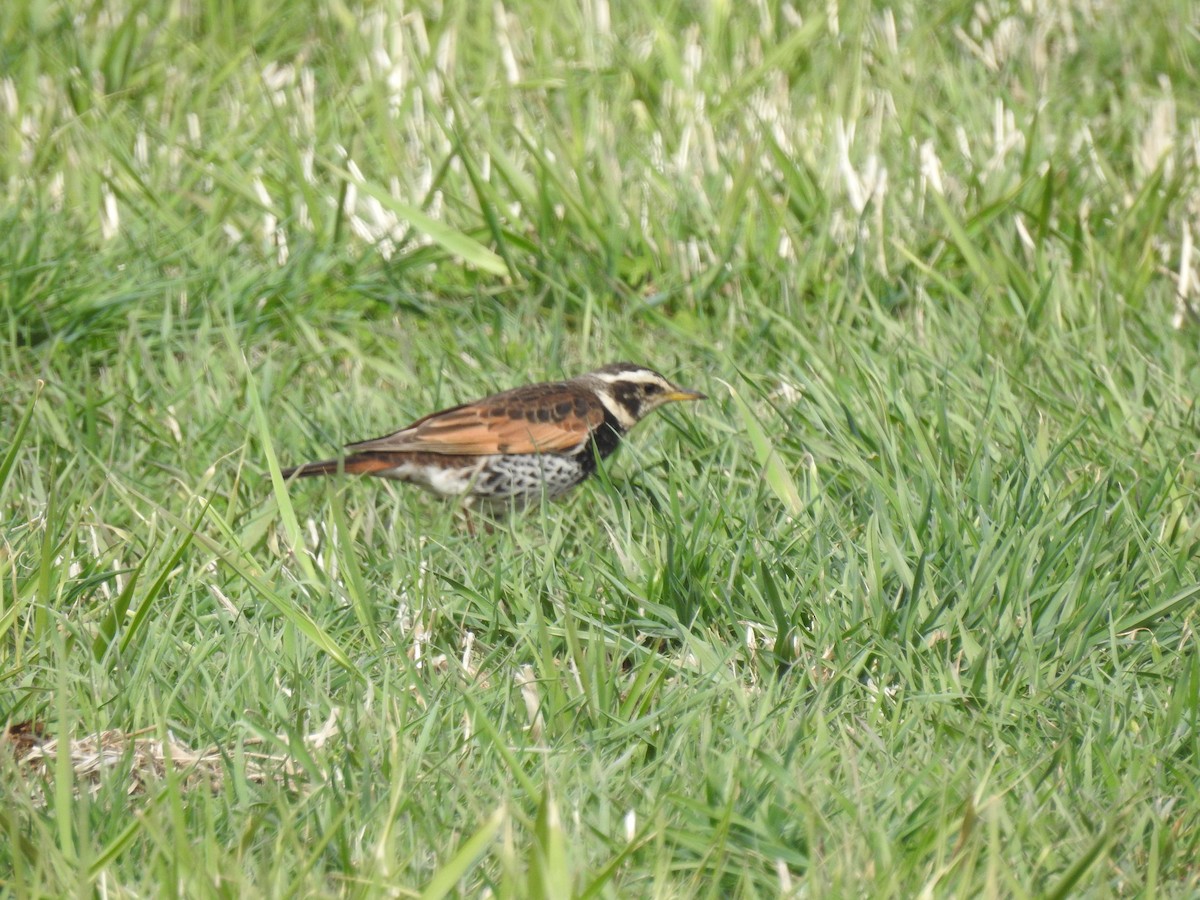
pixel 631 392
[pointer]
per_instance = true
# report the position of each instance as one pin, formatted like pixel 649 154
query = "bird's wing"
pixel 540 418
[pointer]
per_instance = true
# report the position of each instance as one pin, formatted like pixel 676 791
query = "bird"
pixel 517 446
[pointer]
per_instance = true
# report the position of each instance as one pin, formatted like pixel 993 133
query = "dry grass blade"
pixel 143 760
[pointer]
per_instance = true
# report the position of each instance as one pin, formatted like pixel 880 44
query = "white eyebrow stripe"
pixel 635 376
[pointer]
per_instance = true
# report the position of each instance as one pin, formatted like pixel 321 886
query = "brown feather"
pixel 361 464
pixel 541 418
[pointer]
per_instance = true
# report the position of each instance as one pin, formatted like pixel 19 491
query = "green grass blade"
pixel 164 574
pixel 549 872
pixel 774 470
pixel 1068 884
pixel 17 436
pixel 453 241
pixel 449 875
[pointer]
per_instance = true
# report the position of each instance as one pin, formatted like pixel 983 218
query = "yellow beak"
pixel 682 394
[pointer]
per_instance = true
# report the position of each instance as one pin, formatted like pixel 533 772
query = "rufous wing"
pixel 538 419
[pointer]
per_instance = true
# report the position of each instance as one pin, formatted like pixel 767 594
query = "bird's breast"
pixel 607 437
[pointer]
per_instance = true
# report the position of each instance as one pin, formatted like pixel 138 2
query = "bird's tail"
pixel 357 464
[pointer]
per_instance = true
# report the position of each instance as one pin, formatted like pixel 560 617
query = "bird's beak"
pixel 682 394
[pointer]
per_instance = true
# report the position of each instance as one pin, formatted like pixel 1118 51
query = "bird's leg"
pixel 466 514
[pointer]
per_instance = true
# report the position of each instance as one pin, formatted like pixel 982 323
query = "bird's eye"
pixel 653 389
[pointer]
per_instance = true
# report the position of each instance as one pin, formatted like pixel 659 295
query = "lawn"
pixel 908 607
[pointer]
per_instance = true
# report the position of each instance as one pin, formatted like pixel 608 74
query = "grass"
pixel 907 608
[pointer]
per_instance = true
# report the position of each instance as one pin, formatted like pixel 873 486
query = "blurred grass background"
pixel 907 608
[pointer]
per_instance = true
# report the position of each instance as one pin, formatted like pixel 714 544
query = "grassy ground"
pixel 907 608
